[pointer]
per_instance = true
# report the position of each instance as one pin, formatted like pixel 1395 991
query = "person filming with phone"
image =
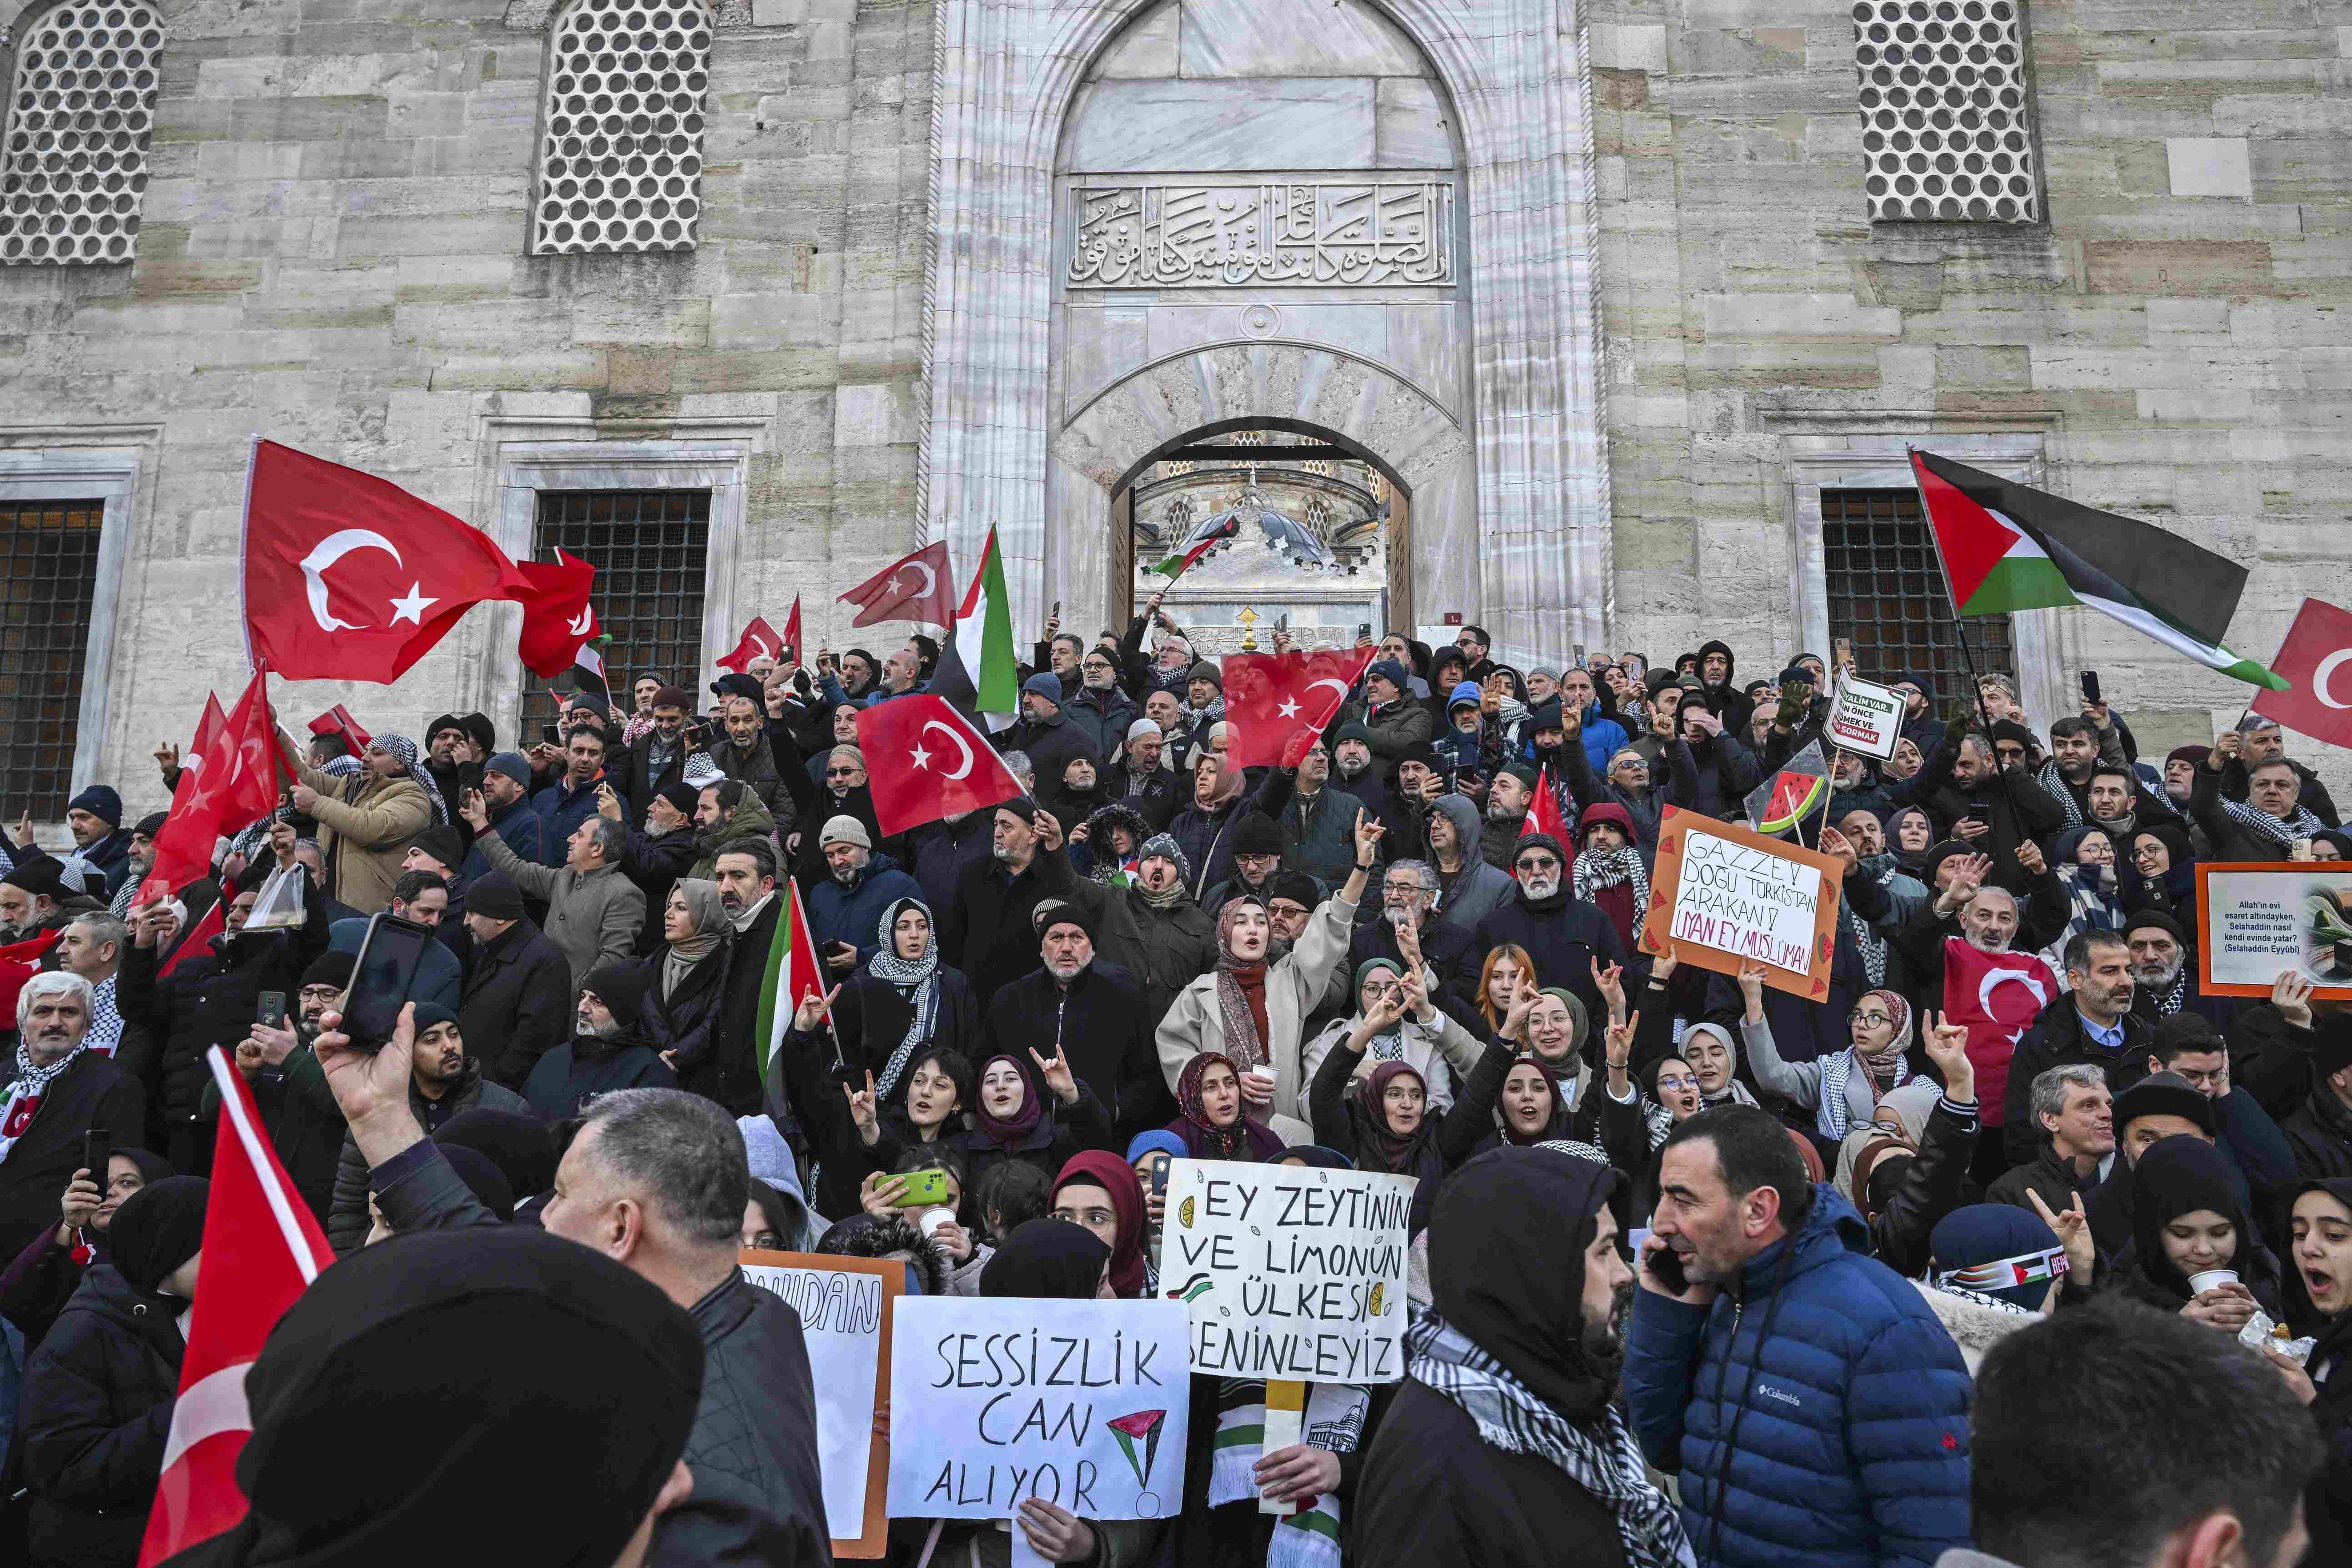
pixel 1815 1408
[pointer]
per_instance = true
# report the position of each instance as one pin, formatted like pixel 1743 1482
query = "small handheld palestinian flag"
pixel 1175 566
pixel 1777 806
pixel 2009 547
pixel 793 975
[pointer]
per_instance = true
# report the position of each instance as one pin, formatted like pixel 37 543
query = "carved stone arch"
pixel 1529 549
pixel 1363 409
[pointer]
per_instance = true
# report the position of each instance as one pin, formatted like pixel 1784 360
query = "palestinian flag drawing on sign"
pixel 1140 1429
pixel 1778 805
pixel 2008 547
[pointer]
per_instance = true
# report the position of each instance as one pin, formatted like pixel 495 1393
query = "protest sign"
pixel 845 1320
pixel 1289 1272
pixel 995 1400
pixel 1865 719
pixel 1720 895
pixel 2257 917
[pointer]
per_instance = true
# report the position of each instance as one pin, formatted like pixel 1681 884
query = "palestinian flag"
pixel 1783 802
pixel 1176 565
pixel 2006 547
pixel 979 672
pixel 793 975
pixel 1138 1436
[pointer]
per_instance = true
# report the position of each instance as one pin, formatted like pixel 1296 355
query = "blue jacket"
pixel 1603 739
pixel 525 833
pixel 561 810
pixel 1848 1398
pixel 852 914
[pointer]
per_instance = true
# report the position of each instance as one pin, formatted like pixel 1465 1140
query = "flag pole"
pixel 1960 634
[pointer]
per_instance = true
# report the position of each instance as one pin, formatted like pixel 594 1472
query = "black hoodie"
pixel 1724 699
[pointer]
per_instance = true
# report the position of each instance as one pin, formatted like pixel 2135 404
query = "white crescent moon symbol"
pixel 962 745
pixel 760 648
pixel 2319 677
pixel 1992 979
pixel 931 579
pixel 329 550
pixel 579 626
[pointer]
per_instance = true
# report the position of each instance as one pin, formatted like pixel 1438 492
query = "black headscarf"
pixel 2175 1176
pixel 444 1375
pixel 1507 1240
pixel 1047 1259
pixel 156 1229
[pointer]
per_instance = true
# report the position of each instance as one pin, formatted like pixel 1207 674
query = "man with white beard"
pixel 1568 939
pixel 2163 972
pixel 1408 930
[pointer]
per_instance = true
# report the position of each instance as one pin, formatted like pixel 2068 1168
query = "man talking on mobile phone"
pixel 1784 1344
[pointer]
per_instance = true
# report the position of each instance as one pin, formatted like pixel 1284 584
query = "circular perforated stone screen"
pixel 1944 129
pixel 79 114
pixel 621 160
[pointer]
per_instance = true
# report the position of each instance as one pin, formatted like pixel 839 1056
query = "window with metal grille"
pixel 1886 592
pixel 649 547
pixel 1945 132
pixel 74 168
pixel 49 575
pixel 621 158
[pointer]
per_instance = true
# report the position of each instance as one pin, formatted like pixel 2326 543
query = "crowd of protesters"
pixel 1704 1271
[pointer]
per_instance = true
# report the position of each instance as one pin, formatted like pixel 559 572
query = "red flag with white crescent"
pixel 1279 703
pixel 924 760
pixel 556 615
pixel 918 588
pixel 759 638
pixel 2317 648
pixel 1997 995
pixel 262 1248
pixel 1543 813
pixel 184 849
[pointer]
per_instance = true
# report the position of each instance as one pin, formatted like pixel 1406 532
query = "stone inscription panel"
pixel 1205 234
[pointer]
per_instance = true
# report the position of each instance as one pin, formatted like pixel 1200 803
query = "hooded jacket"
pixel 1724 700
pixel 1817 1413
pixel 1562 933
pixel 1478 888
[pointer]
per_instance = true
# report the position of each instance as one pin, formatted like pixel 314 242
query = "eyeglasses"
pixel 1096 664
pixel 1869 1020
pixel 1400 888
pixel 1669 1083
pixel 1376 990
pixel 2212 1079
pixel 1539 863
pixel 840 773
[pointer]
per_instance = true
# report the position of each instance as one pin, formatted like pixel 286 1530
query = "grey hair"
pixel 1422 872
pixel 609 835
pixel 309 843
pixel 680 1155
pixel 2051 1084
pixel 54 983
pixel 1019 765
pixel 103 929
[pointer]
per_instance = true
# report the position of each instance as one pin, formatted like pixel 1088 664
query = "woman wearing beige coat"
pixel 1255 1011
pixel 366 820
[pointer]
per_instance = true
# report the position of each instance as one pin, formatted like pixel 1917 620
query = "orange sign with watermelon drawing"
pixel 1721 895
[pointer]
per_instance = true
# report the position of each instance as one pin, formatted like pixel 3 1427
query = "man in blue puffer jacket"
pixel 1816 1409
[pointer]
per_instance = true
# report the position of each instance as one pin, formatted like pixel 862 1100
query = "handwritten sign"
pixel 1288 1272
pixel 995 1400
pixel 2257 917
pixel 1865 719
pixel 845 1308
pixel 1721 895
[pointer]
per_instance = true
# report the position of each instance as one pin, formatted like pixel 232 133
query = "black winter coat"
pixel 686 1023
pixel 2015 804
pixel 95 1410
pixel 2321 1134
pixel 731 1074
pixel 1928 1190
pixel 985 931
pixel 209 1000
pixel 1180 944
pixel 577 1071
pixel 1156 803
pixel 872 1019
pixel 518 1003
pixel 1100 1020
pixel 2057 1039
pixel 1063 1131
pixel 1430 1490
pixel 1562 934
pixel 1207 837
pixel 92 1092
pixel 939 853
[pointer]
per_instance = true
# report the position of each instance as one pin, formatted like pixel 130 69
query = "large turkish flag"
pixel 556 616
pixel 348 576
pixel 923 760
pixel 1997 995
pixel 2317 648
pixel 1279 703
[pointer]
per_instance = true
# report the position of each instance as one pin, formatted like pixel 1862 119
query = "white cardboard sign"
pixel 1865 719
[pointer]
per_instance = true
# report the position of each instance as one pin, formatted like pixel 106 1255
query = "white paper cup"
pixel 1264 1074
pixel 933 1218
pixel 2205 1281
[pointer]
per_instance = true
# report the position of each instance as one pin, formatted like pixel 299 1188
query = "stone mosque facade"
pixel 1601 323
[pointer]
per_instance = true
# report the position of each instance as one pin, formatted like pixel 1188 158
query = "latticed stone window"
pixel 1945 131
pixel 74 167
pixel 621 160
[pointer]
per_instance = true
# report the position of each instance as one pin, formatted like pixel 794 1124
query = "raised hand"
pixel 477 813
pixel 1751 977
pixel 1515 1018
pixel 2291 995
pixel 1048 829
pixel 607 803
pixel 1838 846
pixel 1617 1044
pixel 1414 994
pixel 2225 747
pixel 1056 1069
pixel 861 1111
pixel 1946 1044
pixel 1368 838
pixel 1611 983
pixel 82 1196
pixel 814 1008
pixel 167 756
pixel 2029 855
pixel 2073 1229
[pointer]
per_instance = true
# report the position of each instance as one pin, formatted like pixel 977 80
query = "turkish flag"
pixel 348 576
pixel 1997 995
pixel 1278 702
pixel 758 639
pixel 19 961
pixel 198 939
pixel 184 849
pixel 1543 816
pixel 262 1248
pixel 920 587
pixel 258 760
pixel 556 616
pixel 2317 648
pixel 924 760
pixel 791 649
pixel 338 721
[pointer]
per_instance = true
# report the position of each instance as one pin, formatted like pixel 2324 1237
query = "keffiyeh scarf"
pixel 404 748
pixel 1598 868
pixel 105 1031
pixel 2053 784
pixel 1601 1458
pixel 2264 825
pixel 1333 1421
pixel 31 1081
pixel 916 979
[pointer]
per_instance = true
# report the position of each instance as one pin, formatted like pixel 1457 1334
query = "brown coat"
pixel 364 824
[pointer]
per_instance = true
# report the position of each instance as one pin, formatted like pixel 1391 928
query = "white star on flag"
pixel 921 757
pixel 1289 709
pixel 412 608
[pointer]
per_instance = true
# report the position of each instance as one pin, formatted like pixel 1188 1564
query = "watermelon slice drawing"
pixel 1795 791
pixel 1142 1427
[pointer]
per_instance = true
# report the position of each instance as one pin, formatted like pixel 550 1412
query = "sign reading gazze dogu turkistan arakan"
pixel 1289 1272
